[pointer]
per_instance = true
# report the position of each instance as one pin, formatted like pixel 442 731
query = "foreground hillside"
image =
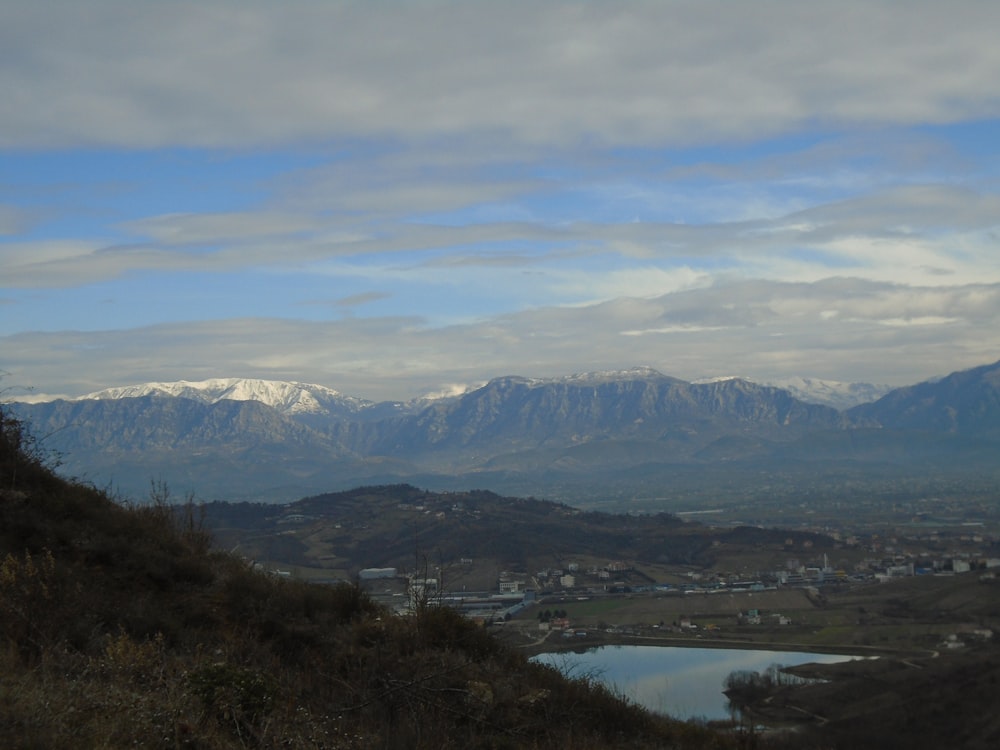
pixel 119 626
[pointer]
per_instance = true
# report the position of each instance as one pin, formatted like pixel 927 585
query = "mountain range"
pixel 595 433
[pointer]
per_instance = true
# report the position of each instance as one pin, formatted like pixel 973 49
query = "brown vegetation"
pixel 120 626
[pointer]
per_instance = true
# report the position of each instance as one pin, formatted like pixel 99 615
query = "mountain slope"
pixel 228 448
pixel 510 414
pixel 963 403
pixel 265 440
pixel 121 627
pixel 157 422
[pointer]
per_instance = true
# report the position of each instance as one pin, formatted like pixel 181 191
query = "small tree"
pixel 21 453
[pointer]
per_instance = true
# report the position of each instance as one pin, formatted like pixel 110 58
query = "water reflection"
pixel 685 683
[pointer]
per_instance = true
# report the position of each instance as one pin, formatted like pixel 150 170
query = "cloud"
pixel 450 390
pixel 907 209
pixel 863 159
pixel 213 228
pixel 394 184
pixel 231 74
pixel 12 220
pixel 71 263
pixel 360 299
pixel 517 186
pixel 638 281
pixel 840 328
pixel 911 234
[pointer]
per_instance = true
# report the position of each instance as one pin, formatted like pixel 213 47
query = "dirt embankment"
pixel 890 702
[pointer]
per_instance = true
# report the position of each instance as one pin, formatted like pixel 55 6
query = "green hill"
pixel 334 535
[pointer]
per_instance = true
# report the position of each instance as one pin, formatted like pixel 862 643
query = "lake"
pixel 685 683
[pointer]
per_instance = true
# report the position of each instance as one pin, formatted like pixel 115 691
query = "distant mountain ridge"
pixel 286 397
pixel 262 438
pixel 965 402
pixel 296 397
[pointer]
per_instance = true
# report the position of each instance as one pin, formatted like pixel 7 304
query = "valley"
pixel 898 564
pixel 622 508
pixel 413 375
pixel 545 577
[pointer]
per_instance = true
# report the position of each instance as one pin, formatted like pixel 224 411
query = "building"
pixel 374 574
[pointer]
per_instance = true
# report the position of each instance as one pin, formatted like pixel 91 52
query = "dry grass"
pixel 120 627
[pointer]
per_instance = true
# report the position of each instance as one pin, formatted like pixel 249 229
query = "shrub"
pixel 23 460
pixel 27 589
pixel 238 698
pixel 443 627
pixel 136 660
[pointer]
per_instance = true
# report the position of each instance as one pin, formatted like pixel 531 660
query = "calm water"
pixel 685 683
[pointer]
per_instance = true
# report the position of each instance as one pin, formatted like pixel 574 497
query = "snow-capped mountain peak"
pixel 290 397
pixel 602 376
pixel 833 393
pixel 286 397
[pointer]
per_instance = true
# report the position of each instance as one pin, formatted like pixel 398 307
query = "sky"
pixel 396 199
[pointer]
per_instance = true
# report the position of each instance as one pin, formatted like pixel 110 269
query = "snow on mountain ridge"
pixel 287 397
pixel 307 398
pixel 833 393
pixel 597 376
pixel 606 375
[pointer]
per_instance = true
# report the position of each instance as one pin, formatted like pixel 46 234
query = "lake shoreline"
pixel 554 642
pixel 684 683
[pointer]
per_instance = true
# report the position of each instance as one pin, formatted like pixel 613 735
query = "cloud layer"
pixel 845 329
pixel 395 198
pixel 227 74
